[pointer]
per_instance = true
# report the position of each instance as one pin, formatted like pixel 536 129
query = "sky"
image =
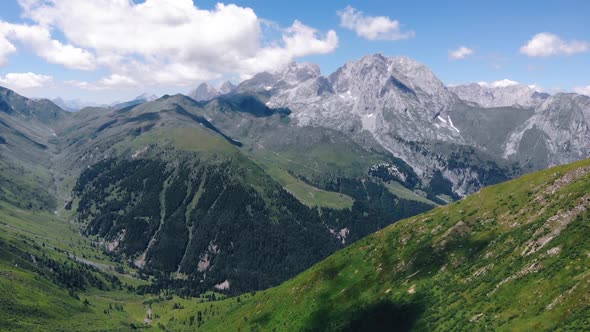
pixel 113 50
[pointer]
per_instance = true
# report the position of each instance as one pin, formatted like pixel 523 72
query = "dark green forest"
pixel 208 221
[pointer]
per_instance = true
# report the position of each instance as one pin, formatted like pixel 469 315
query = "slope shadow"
pixel 385 316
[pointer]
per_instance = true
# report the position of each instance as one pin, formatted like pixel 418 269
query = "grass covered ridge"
pixel 514 256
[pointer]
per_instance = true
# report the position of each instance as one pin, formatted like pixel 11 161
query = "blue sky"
pixel 86 64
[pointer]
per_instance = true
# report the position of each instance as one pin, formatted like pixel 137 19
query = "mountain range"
pixel 399 104
pixel 240 188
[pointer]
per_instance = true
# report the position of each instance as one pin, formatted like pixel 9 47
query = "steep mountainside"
pixel 27 141
pixel 512 257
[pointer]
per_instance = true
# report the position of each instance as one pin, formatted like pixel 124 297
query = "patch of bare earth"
pixel 555 225
pixel 456 231
pixel 561 297
pixel 533 267
pixel 537 207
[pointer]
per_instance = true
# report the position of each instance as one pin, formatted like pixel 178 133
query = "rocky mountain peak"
pixel 299 72
pixel 260 82
pixel 354 75
pixel 204 91
pixel 418 75
pixel 227 87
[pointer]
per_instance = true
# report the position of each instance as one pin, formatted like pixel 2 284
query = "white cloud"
pixel 301 40
pixel 116 81
pixel 6 48
pixel 113 81
pixel 39 39
pixel 28 80
pixel 297 40
pixel 547 44
pixel 498 84
pixel 161 41
pixel 583 90
pixel 372 27
pixel 80 84
pixel 460 53
pixel 535 87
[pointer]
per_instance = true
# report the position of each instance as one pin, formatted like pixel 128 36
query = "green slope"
pixel 27 140
pixel 44 288
pixel 512 257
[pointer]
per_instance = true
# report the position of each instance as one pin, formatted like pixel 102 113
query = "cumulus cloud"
pixel 39 39
pixel 116 80
pixel 498 84
pixel 301 40
pixel 547 44
pixel 297 40
pixel 6 48
pixel 372 27
pixel 159 41
pixel 18 81
pixel 460 53
pixel 583 90
pixel 113 81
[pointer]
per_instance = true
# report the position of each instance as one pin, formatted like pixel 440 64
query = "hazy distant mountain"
pixel 206 91
pixel 143 98
pixel 74 105
pixel 227 87
pixel 500 94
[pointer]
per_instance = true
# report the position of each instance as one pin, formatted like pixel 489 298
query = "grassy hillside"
pixel 44 284
pixel 512 257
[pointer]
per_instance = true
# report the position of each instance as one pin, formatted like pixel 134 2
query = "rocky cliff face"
pixel 395 101
pixel 400 104
pixel 204 92
pixel 559 130
pixel 378 94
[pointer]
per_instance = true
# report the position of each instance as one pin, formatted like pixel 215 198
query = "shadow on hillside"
pixel 381 316
pixel 385 316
